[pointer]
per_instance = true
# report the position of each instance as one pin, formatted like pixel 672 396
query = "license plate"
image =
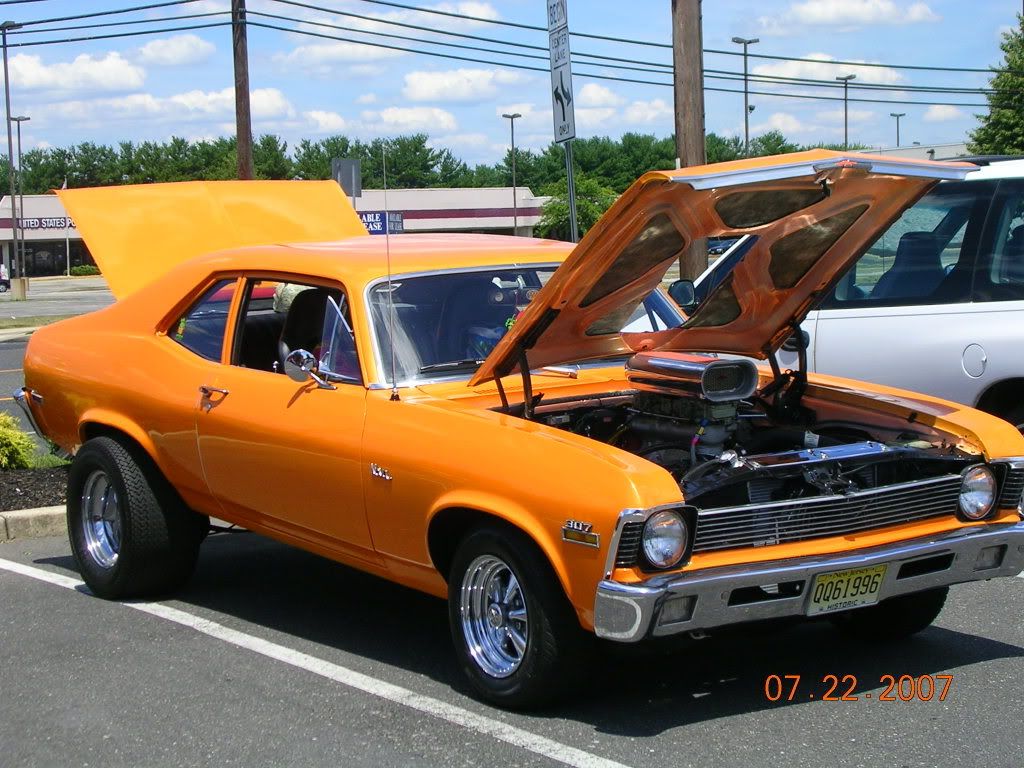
pixel 839 590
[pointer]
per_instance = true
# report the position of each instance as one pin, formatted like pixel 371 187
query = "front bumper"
pixel 718 597
pixel 21 397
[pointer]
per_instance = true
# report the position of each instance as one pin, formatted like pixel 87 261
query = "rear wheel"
pixel 130 534
pixel 515 633
pixel 893 619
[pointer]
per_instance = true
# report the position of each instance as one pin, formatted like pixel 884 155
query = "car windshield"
pixel 446 325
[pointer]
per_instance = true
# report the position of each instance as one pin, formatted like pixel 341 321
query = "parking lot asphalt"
pixel 272 656
pixel 51 296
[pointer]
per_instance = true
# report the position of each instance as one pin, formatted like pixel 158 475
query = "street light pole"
pixel 897 115
pixel 511 117
pixel 21 190
pixel 845 79
pixel 6 27
pixel 746 92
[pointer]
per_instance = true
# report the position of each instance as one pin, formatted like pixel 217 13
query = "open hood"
pixel 136 233
pixel 813 213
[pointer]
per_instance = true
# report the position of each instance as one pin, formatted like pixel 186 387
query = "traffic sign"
pixel 562 108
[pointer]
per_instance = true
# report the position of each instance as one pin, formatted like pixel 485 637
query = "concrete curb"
pixel 7 334
pixel 33 523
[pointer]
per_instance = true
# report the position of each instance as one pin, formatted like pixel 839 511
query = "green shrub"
pixel 17 449
pixel 84 269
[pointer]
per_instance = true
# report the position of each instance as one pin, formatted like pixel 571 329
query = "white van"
pixel 936 304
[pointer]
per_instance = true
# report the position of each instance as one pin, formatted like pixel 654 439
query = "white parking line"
pixel 487 726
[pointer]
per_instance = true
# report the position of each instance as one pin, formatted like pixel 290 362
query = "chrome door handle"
pixel 206 401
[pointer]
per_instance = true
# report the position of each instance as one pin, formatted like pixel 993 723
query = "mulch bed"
pixel 28 488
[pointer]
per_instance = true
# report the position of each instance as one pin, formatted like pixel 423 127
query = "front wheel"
pixel 130 534
pixel 893 619
pixel 515 633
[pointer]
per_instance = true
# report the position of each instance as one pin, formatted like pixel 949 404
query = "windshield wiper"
pixel 452 365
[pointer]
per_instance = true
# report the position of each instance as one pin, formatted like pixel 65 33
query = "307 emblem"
pixel 579 532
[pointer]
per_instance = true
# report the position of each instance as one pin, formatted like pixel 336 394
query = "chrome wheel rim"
pixel 493 611
pixel 101 519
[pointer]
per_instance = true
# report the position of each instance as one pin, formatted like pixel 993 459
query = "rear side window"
pixel 201 329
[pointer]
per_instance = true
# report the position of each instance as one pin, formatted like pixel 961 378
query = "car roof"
pixel 365 259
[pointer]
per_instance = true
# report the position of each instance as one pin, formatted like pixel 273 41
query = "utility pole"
pixel 243 115
pixel 688 67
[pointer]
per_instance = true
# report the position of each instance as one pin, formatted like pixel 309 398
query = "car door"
pixel 903 315
pixel 280 453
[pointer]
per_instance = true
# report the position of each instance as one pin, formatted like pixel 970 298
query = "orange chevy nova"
pixel 524 427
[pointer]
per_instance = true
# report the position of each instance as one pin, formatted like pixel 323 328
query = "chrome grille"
pixel 822 516
pixel 629 545
pixel 1013 486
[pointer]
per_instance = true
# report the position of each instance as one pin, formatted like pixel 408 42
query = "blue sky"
pixel 180 82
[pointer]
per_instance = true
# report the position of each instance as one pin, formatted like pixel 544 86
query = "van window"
pixel 1001 277
pixel 925 257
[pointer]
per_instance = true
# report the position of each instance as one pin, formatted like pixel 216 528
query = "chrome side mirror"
pixel 683 293
pixel 301 366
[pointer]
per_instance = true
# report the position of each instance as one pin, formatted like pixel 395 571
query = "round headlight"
pixel 664 539
pixel 977 493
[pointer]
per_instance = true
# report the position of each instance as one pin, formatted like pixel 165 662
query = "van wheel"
pixel 893 619
pixel 130 534
pixel 1015 416
pixel 516 635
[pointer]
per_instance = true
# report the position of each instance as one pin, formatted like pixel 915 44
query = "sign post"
pixel 562 108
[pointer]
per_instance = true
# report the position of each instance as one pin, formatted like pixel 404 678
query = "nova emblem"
pixel 378 471
pixel 580 533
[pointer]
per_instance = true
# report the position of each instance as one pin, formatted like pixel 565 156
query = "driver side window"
pixel 279 317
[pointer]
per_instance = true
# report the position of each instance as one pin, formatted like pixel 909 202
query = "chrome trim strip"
pixel 21 397
pixel 617 606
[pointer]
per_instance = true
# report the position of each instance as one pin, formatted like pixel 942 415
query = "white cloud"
pixel 267 103
pixel 784 122
pixel 846 14
pixel 176 50
pixel 647 112
pixel 853 116
pixel 326 122
pixel 532 117
pixel 461 141
pixel 823 67
pixel 367 98
pixel 594 117
pixel 458 84
pixel 940 113
pixel 324 59
pixel 405 119
pixel 84 73
pixel 594 95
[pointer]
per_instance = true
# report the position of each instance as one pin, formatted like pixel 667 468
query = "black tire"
pixel 147 541
pixel 1015 416
pixel 893 619
pixel 555 644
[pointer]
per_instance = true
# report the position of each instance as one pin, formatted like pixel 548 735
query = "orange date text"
pixel 843 687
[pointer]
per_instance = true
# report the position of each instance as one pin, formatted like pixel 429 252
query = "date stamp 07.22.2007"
pixel 778 688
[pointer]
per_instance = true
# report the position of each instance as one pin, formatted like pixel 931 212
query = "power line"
pixel 140 33
pixel 112 12
pixel 107 24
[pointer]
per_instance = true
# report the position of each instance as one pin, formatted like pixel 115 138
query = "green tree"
pixel 1001 131
pixel 313 158
pixel 720 149
pixel 270 158
pixel 592 200
pixel 771 143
